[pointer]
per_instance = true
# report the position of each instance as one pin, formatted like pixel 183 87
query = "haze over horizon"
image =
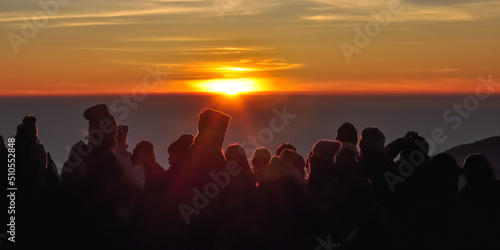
pixel 162 118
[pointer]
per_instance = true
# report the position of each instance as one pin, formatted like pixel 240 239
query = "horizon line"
pixel 256 93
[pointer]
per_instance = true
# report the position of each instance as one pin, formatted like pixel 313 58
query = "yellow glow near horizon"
pixel 238 69
pixel 230 86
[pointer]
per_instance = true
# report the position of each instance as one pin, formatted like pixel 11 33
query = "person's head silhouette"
pixel 326 149
pixel 285 146
pixel 478 170
pixel 102 126
pixel 212 127
pixel 347 133
pixel 177 149
pixel 260 161
pixel 294 159
pixel 236 153
pixel 143 154
pixel 372 141
pixel 27 131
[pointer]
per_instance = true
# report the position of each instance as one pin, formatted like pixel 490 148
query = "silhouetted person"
pixel 239 196
pixel 148 211
pixel 177 151
pixel 260 159
pixel 144 156
pixel 282 170
pixel 31 159
pixel 205 154
pixel 324 185
pixel 323 182
pixel 445 174
pixel 245 179
pixel 298 163
pixel 203 159
pixel 479 205
pixel 244 202
pixel 479 174
pixel 411 188
pixel 435 212
pixel 103 169
pixel 30 166
pixel 415 161
pixel 74 172
pixel 346 158
pixel 368 227
pixel 291 222
pixel 373 163
pixel 284 147
pixel 134 177
pixel 102 191
pixel 347 133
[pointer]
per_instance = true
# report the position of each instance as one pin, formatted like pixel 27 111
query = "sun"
pixel 230 86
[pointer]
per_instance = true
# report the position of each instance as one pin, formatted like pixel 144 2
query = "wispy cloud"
pixel 88 23
pixel 212 50
pixel 170 39
pixel 423 10
pixel 108 14
pixel 436 70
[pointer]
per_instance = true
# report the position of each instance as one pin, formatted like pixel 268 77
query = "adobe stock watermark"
pixel 372 29
pixel 453 116
pixel 223 6
pixel 139 93
pixel 120 109
pixel 266 135
pixel 220 180
pixel 40 19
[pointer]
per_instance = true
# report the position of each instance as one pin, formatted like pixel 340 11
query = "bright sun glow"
pixel 230 86
pixel 238 69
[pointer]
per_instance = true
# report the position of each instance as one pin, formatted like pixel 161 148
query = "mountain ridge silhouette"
pixel 490 147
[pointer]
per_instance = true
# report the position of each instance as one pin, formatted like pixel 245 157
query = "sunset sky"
pixel 100 47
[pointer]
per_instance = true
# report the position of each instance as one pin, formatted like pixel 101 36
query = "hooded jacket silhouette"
pixel 205 155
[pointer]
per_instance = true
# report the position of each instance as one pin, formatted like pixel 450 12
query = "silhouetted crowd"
pixel 348 193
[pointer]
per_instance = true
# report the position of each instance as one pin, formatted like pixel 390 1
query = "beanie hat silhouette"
pixel 143 146
pixel 289 156
pixel 101 121
pixel 213 120
pixel 29 119
pixel 261 153
pixel 280 167
pixel 372 138
pixel 478 170
pixel 326 149
pixel 347 133
pixel 181 144
pixel 27 130
pixel 285 146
